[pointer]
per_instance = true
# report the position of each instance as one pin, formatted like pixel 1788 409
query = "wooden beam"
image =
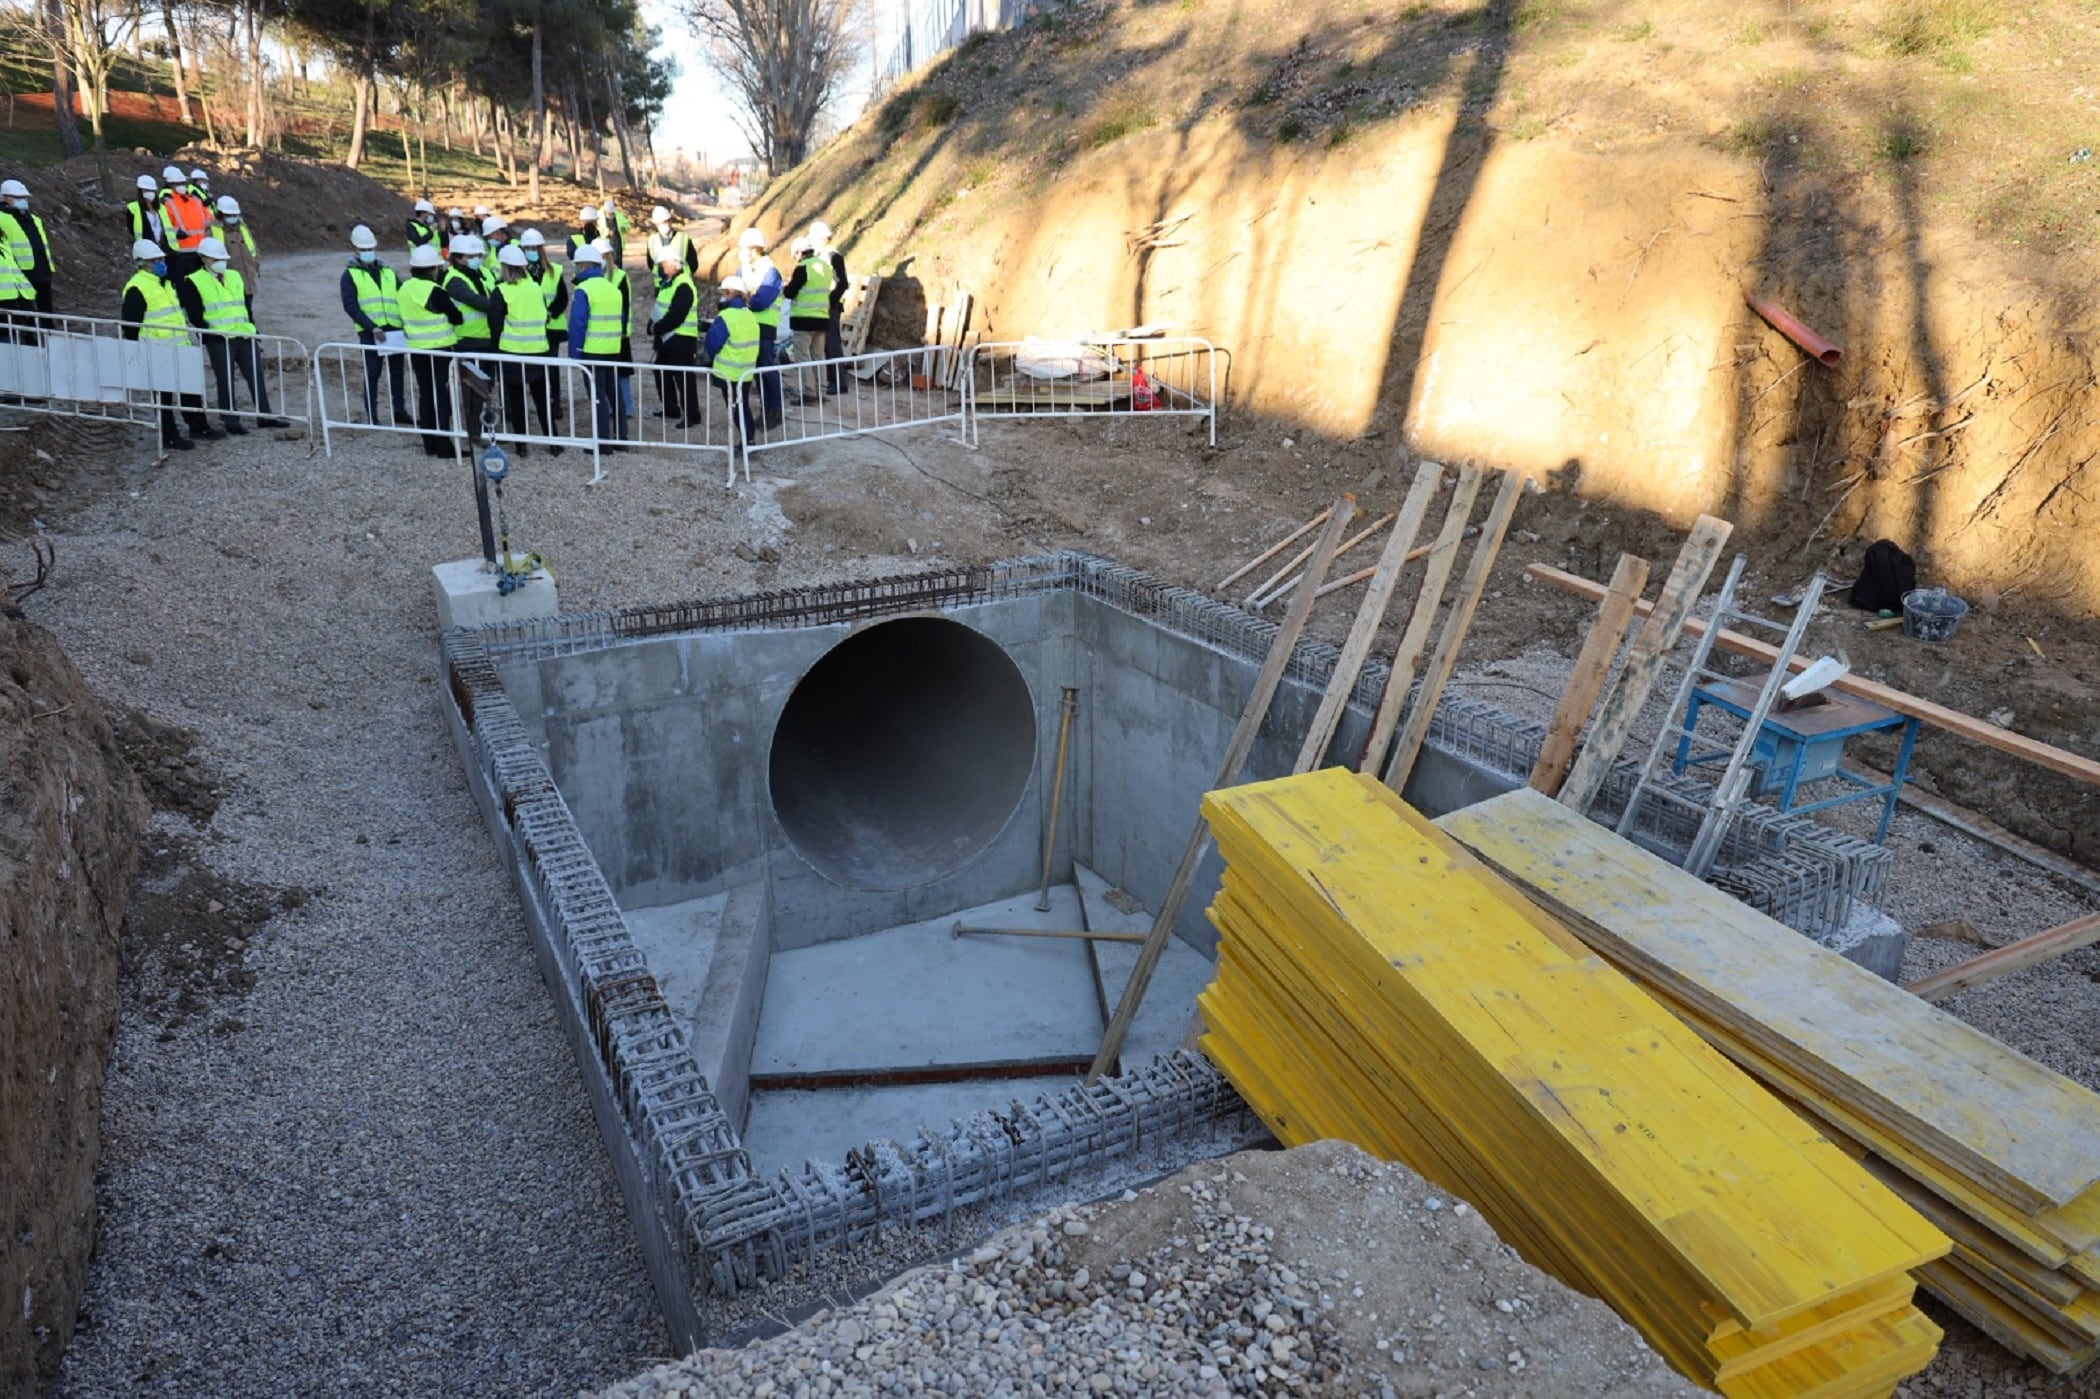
pixel 1236 750
pixel 1443 556
pixel 1274 549
pixel 1460 620
pixel 1369 617
pixel 1695 563
pixel 1350 543
pixel 1254 599
pixel 2004 961
pixel 1938 715
pixel 1592 665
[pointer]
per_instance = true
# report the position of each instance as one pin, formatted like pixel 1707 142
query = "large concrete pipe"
pixel 902 753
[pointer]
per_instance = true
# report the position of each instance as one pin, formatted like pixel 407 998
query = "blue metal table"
pixel 1807 745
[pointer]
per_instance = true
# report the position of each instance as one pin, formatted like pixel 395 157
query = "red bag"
pixel 1143 398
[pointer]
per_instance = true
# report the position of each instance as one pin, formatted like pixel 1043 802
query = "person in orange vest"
pixel 184 223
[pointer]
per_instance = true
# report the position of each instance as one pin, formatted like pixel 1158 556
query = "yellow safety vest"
pixel 218 231
pixel 674 247
pixel 14 283
pixel 163 319
pixel 739 355
pixel 548 278
pixel 524 319
pixel 690 326
pixel 754 273
pixel 424 328
pixel 376 293
pixel 813 302
pixel 473 323
pixel 18 245
pixel 605 325
pixel 225 298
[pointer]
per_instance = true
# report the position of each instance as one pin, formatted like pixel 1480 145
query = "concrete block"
pixel 467 596
pixel 1873 940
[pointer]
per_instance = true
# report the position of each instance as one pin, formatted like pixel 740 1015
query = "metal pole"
pixel 1057 793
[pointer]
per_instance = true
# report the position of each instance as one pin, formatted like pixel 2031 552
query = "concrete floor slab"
pixel 790 1126
pixel 679 942
pixel 917 997
pixel 1163 1016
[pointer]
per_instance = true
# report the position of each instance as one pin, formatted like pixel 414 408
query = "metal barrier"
pixel 557 394
pixel 690 414
pixel 884 390
pixel 84 367
pixel 1161 376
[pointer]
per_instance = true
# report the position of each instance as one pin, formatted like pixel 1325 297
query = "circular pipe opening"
pixel 902 753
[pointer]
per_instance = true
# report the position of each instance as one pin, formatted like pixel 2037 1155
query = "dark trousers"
pixel 521 378
pixel 738 397
pixel 229 355
pixel 395 372
pixel 192 414
pixel 680 351
pixel 769 384
pixel 41 281
pixel 605 388
pixel 834 348
pixel 433 402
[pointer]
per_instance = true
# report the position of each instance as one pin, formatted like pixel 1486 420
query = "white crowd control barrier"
pixel 1175 375
pixel 881 391
pixel 84 367
pixel 539 402
pixel 677 408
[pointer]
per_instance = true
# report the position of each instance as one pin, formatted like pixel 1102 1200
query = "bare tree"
pixel 783 59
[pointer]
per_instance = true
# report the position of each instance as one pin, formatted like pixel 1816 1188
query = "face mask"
pixel 367 255
pixel 477 263
pixel 160 268
pixel 532 254
pixel 232 220
pixel 216 267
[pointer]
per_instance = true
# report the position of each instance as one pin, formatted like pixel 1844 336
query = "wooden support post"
pixel 1369 617
pixel 1236 751
pixel 1445 658
pixel 1592 665
pixel 1695 562
pixel 1442 557
pixel 2004 961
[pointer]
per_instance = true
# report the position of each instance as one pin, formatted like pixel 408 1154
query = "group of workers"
pixel 474 286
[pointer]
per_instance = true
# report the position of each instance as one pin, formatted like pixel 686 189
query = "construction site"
pixel 1514 818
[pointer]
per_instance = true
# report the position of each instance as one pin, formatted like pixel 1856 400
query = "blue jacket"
pixel 768 292
pixel 580 310
pixel 718 331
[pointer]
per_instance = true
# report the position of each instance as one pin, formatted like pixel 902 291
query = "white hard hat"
pixel 469 244
pixel 146 250
pixel 733 286
pixel 362 237
pixel 229 205
pixel 482 211
pixel 659 215
pixel 172 174
pixel 820 231
pixel 799 246
pixel 588 213
pixel 603 245
pixel 455 212
pixel 424 206
pixel 148 183
pixel 511 256
pixel 589 256
pixel 492 225
pixel 14 189
pixel 211 249
pixel 532 238
pixel 751 238
pixel 425 255
pixel 199 177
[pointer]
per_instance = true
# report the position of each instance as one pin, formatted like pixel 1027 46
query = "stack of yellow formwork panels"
pixel 1377 984
pixel 2000 1152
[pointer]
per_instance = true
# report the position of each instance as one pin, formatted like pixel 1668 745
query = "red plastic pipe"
pixel 1794 330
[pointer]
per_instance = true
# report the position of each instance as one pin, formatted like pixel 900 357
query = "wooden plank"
pixel 1456 623
pixel 1236 750
pixel 1921 1074
pixel 1939 716
pixel 2028 952
pixel 1350 543
pixel 1253 599
pixel 1443 556
pixel 862 316
pixel 1274 549
pixel 1607 633
pixel 1058 393
pixel 1695 562
pixel 1369 617
pixel 1350 580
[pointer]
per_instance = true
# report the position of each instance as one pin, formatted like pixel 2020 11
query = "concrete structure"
pixel 703 799
pixel 467 595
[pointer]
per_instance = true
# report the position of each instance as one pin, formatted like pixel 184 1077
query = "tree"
pixel 784 59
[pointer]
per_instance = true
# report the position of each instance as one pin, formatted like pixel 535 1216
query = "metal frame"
pixel 884 393
pixel 84 367
pixel 1183 370
pixel 338 373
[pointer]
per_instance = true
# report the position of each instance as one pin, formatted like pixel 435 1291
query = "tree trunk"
pixel 255 71
pixel 473 124
pixel 61 80
pixel 182 90
pixel 360 94
pixel 539 105
pixel 619 121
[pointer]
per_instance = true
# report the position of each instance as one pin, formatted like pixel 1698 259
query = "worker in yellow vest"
pixel 422 225
pixel 462 282
pixel 597 321
pixel 762 280
pixel 518 319
pixel 368 290
pixel 26 240
pixel 676 243
pixel 17 303
pixel 142 213
pixel 808 294
pixel 151 311
pixel 216 303
pixel 675 327
pixel 834 338
pixel 430 323
pixel 233 230
pixel 731 354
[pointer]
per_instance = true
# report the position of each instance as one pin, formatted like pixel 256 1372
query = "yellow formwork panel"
pixel 1377 983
